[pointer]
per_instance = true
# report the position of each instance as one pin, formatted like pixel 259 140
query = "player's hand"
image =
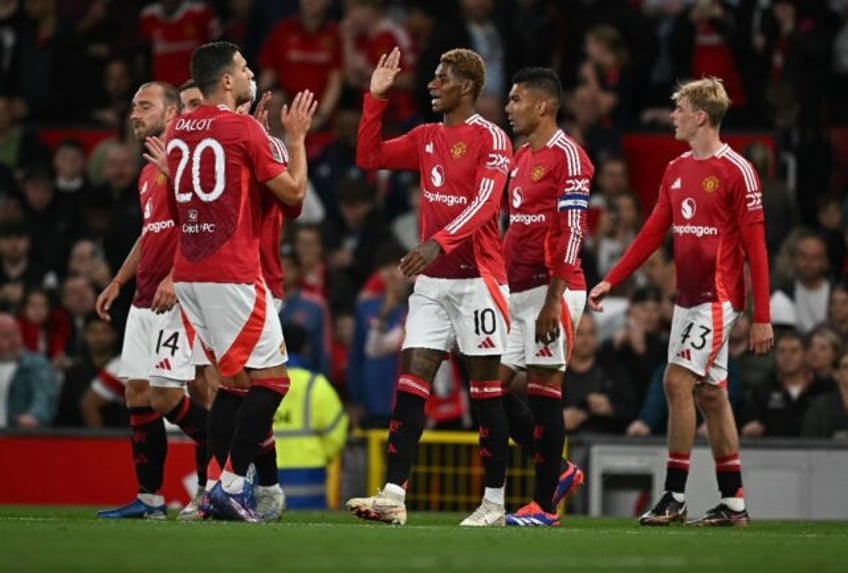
pixel 297 116
pixel 165 297
pixel 156 153
pixel 383 76
pixel 599 293
pixel 419 258
pixel 548 322
pixel 762 338
pixel 105 300
pixel 260 114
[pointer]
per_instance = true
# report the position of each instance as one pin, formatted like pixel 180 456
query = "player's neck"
pixel 459 115
pixel 540 136
pixel 222 98
pixel 705 144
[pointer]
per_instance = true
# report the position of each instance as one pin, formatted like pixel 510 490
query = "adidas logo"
pixel 685 354
pixel 487 343
pixel 164 365
pixel 544 352
pixel 677 184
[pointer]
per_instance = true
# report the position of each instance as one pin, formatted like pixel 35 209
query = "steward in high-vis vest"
pixel 310 427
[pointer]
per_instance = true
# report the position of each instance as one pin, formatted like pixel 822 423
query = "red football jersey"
pixel 173 39
pixel 715 209
pixel 219 161
pixel 302 60
pixel 273 213
pixel 463 171
pixel 158 235
pixel 548 200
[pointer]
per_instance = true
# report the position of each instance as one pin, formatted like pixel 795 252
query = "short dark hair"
pixel 790 333
pixel 187 85
pixel 211 61
pixel 544 80
pixel 71 143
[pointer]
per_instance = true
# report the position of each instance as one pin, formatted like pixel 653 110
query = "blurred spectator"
pixel 102 403
pixel 599 141
pixel 664 70
pixel 111 102
pixel 353 240
pixel 807 295
pixel 44 329
pixel 832 229
pixel 640 346
pixel 11 24
pixel 839 84
pixel 827 415
pixel 78 298
pixel 477 25
pixel 824 346
pixel 754 369
pixel 606 76
pixel 173 29
pixel 535 27
pixel 18 271
pixel 778 408
pixel 52 227
pixel 781 211
pixel 120 170
pixel 308 251
pixel 343 328
pixel 307 309
pixel 124 135
pixel 837 317
pixel 375 351
pixel 367 33
pixel 659 272
pixel 47 55
pixel 304 52
pixel 616 228
pixel 70 179
pixel 28 385
pixel 20 147
pixel 405 228
pixel 599 395
pixel 235 22
pixel 336 161
pixel 87 261
pixel 101 343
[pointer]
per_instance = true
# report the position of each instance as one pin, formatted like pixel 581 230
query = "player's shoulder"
pixel 490 133
pixel 681 159
pixel 564 150
pixel 738 166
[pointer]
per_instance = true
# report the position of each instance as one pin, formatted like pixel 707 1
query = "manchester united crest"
pixel 458 149
pixel 161 179
pixel 537 172
pixel 710 183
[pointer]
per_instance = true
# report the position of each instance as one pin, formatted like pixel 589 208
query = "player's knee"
pixel 137 393
pixel 710 398
pixel 163 400
pixel 679 383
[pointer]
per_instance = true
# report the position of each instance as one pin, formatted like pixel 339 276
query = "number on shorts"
pixel 170 342
pixel 702 339
pixel 185 155
pixel 484 321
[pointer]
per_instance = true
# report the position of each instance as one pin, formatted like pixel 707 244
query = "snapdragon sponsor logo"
pixel 697 230
pixel 526 218
pixel 449 200
pixel 197 228
pixel 158 226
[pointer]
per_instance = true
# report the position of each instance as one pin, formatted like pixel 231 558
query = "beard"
pixel 252 91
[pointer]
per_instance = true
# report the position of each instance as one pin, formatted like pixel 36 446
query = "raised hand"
pixel 260 114
pixel 297 117
pixel 156 153
pixel 385 73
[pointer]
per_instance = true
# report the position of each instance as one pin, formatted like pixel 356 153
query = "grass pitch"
pixel 34 540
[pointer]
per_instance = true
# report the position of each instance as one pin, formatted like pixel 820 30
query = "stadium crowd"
pixel 69 211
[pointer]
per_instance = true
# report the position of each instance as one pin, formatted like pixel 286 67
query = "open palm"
pixel 385 73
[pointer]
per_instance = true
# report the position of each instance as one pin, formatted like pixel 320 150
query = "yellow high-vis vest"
pixel 310 428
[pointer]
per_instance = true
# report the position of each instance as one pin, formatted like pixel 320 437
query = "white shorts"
pixel 198 354
pixel 237 322
pixel 699 339
pixel 521 347
pixel 156 348
pixel 471 313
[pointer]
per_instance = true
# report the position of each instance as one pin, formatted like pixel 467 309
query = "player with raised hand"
pixel 711 198
pixel 460 294
pixel 548 199
pixel 223 163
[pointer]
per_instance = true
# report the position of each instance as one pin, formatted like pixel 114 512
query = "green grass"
pixel 70 539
